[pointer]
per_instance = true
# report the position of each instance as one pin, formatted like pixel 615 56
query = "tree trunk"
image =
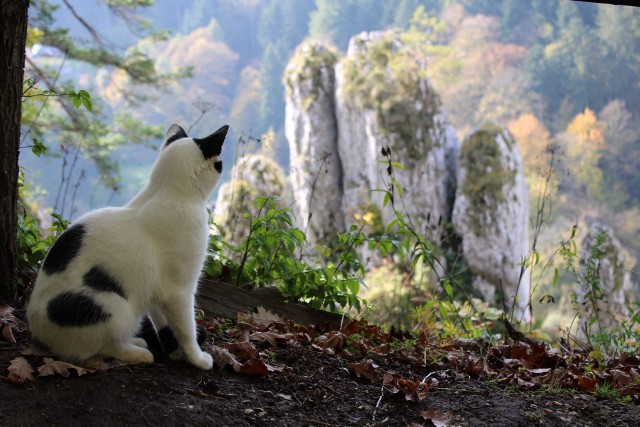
pixel 13 31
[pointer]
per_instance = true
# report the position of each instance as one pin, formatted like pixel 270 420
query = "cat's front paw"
pixel 202 361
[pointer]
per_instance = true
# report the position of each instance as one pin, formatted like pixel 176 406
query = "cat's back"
pixel 108 240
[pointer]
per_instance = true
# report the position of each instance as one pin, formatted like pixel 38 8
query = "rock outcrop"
pixel 379 96
pixel 490 214
pixel 339 116
pixel 311 129
pixel 603 280
pixel 383 98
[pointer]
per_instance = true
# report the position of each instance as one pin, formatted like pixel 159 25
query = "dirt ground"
pixel 286 375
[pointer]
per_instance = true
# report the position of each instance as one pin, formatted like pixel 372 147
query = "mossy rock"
pixel 307 64
pixel 482 158
pixel 385 75
pixel 488 177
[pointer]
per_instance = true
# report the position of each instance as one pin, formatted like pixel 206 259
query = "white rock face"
pixel 491 215
pixel 311 130
pixel 379 96
pixel 379 106
pixel 606 268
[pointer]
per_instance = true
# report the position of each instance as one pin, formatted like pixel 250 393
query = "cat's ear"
pixel 174 133
pixel 212 144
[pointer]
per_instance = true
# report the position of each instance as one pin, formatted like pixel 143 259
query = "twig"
pixel 378 403
pixel 85 24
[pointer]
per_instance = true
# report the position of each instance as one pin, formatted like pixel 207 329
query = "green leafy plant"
pixel 267 257
pixel 446 312
pixel 624 338
pixel 33 246
pixel 606 391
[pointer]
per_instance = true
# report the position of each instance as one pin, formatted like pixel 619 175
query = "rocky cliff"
pixel 311 129
pixel 340 113
pixel 491 213
pixel 383 98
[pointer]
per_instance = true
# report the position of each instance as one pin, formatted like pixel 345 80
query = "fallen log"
pixel 222 299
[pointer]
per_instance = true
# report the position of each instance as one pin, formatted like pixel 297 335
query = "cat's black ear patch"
pixel 100 280
pixel 64 250
pixel 212 144
pixel 174 133
pixel 218 166
pixel 75 309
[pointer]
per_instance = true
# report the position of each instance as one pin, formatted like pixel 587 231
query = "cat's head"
pixel 190 165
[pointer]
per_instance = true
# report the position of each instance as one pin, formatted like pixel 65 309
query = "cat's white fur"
pixel 154 247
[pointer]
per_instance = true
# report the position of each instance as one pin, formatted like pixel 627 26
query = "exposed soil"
pixel 308 383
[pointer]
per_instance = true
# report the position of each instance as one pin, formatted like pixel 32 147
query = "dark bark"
pixel 13 31
pixel 222 299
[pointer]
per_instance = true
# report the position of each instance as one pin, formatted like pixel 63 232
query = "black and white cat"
pixel 116 264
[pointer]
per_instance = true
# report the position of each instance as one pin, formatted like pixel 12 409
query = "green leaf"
pixel 38 148
pixel 353 286
pixel 448 289
pixel 87 104
pixel 387 198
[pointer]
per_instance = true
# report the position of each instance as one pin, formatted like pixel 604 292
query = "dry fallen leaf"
pixel 271 337
pixel 222 357
pixel 336 342
pixel 366 370
pixel 413 390
pixel 9 324
pixel 20 371
pixel 278 368
pixel 7 333
pixel 439 419
pixel 53 367
pixel 6 310
pixel 242 350
pixel 265 316
pixel 254 367
pixel 97 363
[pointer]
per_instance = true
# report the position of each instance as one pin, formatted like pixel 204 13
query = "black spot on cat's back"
pixel 64 250
pixel 100 280
pixel 75 309
pixel 218 166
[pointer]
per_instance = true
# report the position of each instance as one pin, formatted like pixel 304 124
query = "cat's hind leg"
pixel 129 352
pixel 167 339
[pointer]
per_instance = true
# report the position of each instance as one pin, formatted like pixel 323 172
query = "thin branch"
pixel 86 25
